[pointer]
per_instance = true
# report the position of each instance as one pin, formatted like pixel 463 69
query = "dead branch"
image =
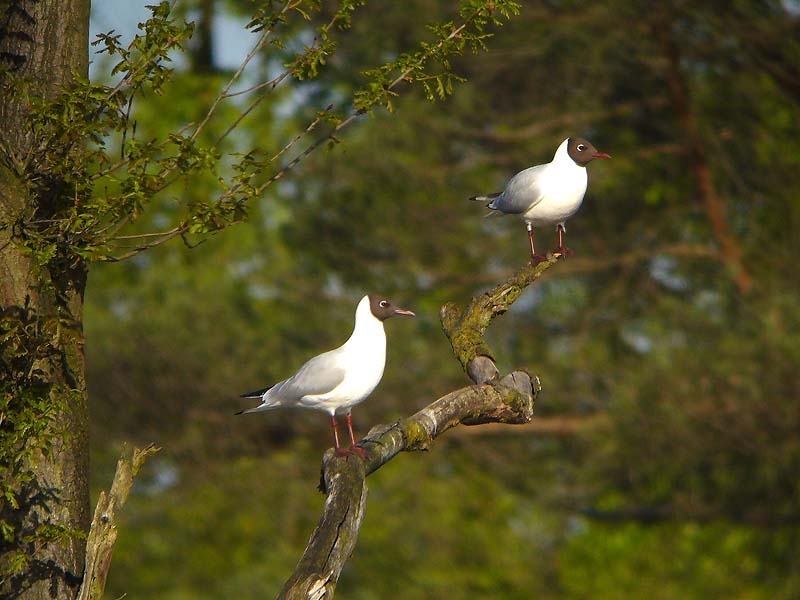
pixel 103 531
pixel 509 400
pixel 492 399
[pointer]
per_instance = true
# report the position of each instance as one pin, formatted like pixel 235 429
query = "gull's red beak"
pixel 403 311
pixel 601 155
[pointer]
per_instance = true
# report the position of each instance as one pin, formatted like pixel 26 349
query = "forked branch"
pixel 465 328
pixel 492 399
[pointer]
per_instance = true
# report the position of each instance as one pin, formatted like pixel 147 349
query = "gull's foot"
pixel 564 251
pixel 536 259
pixel 357 450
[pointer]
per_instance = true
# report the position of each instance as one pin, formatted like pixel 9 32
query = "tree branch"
pixel 567 425
pixel 225 91
pixel 509 400
pixel 103 532
pixel 465 328
pixel 492 400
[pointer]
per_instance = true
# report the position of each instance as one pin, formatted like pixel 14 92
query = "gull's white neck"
pixel 562 157
pixel 368 333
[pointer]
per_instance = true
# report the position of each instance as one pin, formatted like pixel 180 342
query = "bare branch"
pixel 334 538
pixel 331 135
pixel 492 400
pixel 272 84
pixel 311 127
pixel 103 531
pixel 160 238
pixel 313 146
pixel 509 400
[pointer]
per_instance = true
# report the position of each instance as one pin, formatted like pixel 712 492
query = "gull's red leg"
pixel 335 426
pixel 349 419
pixel 562 249
pixel 535 258
pixel 353 449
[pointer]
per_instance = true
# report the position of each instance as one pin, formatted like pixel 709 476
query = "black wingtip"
pixel 255 394
pixel 241 412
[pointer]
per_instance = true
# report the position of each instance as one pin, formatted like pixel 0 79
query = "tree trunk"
pixel 44 416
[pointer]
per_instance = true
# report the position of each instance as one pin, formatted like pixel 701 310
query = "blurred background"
pixel 664 461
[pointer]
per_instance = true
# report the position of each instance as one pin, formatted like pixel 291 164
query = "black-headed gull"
pixel 336 381
pixel 548 194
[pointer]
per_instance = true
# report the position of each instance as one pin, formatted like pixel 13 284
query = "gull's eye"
pixel 581 147
pixel 383 303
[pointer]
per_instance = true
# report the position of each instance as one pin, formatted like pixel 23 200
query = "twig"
pixel 272 83
pixel 235 77
pixel 359 112
pixel 167 236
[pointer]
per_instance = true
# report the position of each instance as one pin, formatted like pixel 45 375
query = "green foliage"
pixel 734 425
pixel 450 39
pixel 276 519
pixel 96 178
pixel 681 560
pixel 309 63
pixel 108 173
pixel 76 129
pixel 29 405
pixel 142 62
pixel 470 530
pixel 270 526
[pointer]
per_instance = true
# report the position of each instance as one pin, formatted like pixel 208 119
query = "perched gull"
pixel 548 194
pixel 338 380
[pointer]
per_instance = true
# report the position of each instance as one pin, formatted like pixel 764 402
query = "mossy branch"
pixel 492 400
pixel 103 531
pixel 465 328
pixel 509 400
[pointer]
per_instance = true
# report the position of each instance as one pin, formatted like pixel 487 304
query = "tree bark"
pixel 43 43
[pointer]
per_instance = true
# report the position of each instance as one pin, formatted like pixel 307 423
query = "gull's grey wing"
pixel 521 193
pixel 319 375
